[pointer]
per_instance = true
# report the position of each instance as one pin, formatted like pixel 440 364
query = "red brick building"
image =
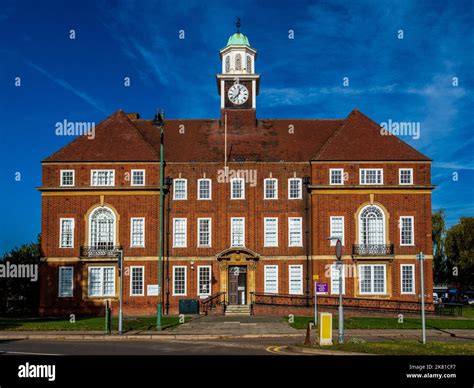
pixel 249 206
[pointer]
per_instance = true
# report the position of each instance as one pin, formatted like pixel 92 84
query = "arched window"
pixel 371 226
pixel 227 64
pixel 249 64
pixel 238 62
pixel 102 228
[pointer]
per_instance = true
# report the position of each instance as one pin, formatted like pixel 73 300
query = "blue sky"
pixel 81 79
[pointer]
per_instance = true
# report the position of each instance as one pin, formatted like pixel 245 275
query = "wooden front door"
pixel 237 285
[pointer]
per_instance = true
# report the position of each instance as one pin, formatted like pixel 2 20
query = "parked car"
pixel 470 301
pixel 435 298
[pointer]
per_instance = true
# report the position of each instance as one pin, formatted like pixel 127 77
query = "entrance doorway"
pixel 237 284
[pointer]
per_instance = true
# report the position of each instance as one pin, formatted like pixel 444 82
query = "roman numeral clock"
pixel 238 84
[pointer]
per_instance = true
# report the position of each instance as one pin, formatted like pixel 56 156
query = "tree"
pixel 459 247
pixel 19 280
pixel 440 272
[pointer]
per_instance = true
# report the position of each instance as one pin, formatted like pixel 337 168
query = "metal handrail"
pixel 210 302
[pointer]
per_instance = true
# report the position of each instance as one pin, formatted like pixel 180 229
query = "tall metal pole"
pixel 159 306
pixel 316 303
pixel 120 257
pixel 341 310
pixel 421 257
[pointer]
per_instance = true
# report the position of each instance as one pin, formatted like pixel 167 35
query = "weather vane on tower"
pixel 237 24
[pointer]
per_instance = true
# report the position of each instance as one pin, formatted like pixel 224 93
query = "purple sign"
pixel 321 288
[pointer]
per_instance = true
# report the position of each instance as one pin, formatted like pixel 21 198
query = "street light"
pixel 159 122
pixel 340 268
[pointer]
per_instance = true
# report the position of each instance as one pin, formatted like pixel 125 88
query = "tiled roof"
pixel 121 138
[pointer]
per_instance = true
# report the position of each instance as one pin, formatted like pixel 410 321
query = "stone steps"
pixel 235 309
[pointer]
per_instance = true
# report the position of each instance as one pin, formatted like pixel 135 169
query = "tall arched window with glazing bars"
pixel 238 62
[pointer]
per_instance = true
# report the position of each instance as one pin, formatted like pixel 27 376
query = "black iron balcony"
pixel 372 249
pixel 100 251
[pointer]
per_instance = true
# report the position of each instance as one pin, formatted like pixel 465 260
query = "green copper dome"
pixel 239 39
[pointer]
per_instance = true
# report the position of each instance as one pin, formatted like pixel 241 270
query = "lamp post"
pixel 120 263
pixel 168 183
pixel 421 257
pixel 340 267
pixel 159 122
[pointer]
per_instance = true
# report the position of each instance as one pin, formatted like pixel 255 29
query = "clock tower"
pixel 238 85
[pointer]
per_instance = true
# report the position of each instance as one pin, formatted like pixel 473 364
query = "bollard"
pixel 107 318
pixel 307 340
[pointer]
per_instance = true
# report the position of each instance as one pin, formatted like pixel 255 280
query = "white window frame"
pixel 372 266
pixel 199 280
pixel 232 231
pixel 412 279
pixel 400 176
pixel 61 232
pixel 185 189
pixel 331 170
pixel 362 172
pixel 185 232
pixel 199 232
pixel 331 231
pixel 102 295
pixel 131 232
pixel 132 268
pixel 300 266
pixel 175 267
pixel 112 179
pixel 335 280
pixel 232 194
pixel 70 293
pixel 289 231
pixel 61 183
pixel 132 176
pixel 265 243
pixel 199 189
pixel 300 193
pixel 412 220
pixel 265 188
pixel 265 278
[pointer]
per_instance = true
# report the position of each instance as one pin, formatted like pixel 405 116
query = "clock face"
pixel 238 94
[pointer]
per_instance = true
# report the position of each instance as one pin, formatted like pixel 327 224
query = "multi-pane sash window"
pixel 204 189
pixel 271 279
pixel 204 280
pixel 237 188
pixel 138 177
pixel 371 176
pixel 101 281
pixel 407 273
pixel 66 233
pixel 271 188
pixel 270 229
pixel 66 281
pixel 102 228
pixel 406 176
pixel 294 188
pixel 406 231
pixel 336 176
pixel 204 232
pixel 180 191
pixel 137 232
pixel 336 271
pixel 337 229
pixel 179 280
pixel 372 278
pixel 179 232
pixel 103 177
pixel 67 178
pixel 372 226
pixel 237 232
pixel 295 231
pixel 136 281
pixel 295 283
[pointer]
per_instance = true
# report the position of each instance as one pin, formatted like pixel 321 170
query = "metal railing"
pixel 289 300
pixel 99 251
pixel 372 249
pixel 213 301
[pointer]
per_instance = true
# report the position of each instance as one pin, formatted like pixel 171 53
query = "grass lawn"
pixel 405 348
pixel 468 312
pixel 86 323
pixel 390 323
